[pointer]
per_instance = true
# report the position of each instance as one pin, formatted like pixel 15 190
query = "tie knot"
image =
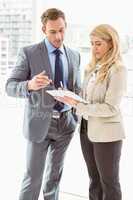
pixel 57 52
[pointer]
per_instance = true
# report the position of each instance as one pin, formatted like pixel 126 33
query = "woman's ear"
pixel 110 45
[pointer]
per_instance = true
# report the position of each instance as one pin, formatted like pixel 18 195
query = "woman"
pixel 103 88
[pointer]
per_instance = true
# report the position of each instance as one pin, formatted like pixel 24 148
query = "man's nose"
pixel 58 35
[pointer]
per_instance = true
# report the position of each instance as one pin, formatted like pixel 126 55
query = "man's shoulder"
pixel 71 51
pixel 33 47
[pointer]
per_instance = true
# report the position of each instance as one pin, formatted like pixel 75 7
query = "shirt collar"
pixel 51 48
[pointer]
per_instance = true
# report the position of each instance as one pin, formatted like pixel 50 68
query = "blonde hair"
pixel 112 57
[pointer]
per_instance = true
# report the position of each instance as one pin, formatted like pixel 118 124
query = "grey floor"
pixel 74 184
pixel 67 196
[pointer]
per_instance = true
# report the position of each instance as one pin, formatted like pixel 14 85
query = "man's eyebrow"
pixel 52 30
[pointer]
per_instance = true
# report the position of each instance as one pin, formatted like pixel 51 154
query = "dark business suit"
pixel 46 136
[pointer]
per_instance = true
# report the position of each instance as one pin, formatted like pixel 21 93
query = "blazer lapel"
pixel 70 69
pixel 47 67
pixel 45 60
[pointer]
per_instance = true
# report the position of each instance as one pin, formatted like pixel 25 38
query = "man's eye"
pixel 61 31
pixel 52 32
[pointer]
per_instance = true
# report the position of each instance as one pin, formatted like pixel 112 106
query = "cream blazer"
pixel 103 108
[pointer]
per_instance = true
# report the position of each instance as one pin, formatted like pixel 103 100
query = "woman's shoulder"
pixel 87 70
pixel 121 68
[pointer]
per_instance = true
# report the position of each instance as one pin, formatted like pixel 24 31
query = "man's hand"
pixel 39 81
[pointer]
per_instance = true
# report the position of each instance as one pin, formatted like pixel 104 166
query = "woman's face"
pixel 99 47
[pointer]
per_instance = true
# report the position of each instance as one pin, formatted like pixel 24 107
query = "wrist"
pixel 29 86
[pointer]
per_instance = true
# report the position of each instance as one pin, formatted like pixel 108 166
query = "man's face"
pixel 55 31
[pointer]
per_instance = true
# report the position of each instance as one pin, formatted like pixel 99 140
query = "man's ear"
pixel 43 29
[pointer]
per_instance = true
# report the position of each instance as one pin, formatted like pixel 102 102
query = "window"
pixel 20 26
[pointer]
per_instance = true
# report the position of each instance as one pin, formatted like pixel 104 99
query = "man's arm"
pixel 19 84
pixel 77 82
pixel 77 86
pixel 16 85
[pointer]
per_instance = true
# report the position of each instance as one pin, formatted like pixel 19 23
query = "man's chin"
pixel 57 45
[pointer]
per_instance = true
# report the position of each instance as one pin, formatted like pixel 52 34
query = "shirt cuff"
pixel 28 93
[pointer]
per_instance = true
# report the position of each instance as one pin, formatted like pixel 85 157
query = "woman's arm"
pixel 114 94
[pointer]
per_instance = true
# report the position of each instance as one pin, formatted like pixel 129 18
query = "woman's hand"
pixel 67 100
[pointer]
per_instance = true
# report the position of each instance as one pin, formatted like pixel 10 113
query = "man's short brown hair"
pixel 52 14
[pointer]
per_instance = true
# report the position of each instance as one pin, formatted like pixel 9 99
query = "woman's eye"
pixel 98 44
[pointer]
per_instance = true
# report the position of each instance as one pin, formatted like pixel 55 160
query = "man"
pixel 48 124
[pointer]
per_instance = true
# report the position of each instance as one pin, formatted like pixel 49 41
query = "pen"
pixel 51 82
pixel 43 72
pixel 61 84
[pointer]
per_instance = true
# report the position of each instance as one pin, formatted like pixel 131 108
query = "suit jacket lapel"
pixel 70 69
pixel 45 60
pixel 47 67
